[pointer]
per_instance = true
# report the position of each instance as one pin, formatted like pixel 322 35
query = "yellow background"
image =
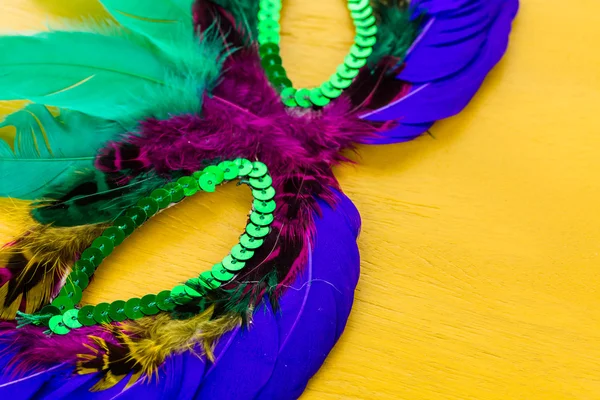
pixel 480 243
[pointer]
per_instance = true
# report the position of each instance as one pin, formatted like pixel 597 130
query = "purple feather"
pixel 466 42
pixel 252 350
pixel 275 358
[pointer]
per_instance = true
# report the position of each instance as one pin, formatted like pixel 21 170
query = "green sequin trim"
pixel 62 316
pixel 268 40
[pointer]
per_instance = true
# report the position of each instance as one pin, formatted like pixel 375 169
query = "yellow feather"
pixel 49 251
pixel 150 340
pixel 109 380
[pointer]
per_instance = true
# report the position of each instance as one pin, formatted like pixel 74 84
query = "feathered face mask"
pixel 178 98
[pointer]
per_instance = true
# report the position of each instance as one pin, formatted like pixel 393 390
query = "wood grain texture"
pixel 480 243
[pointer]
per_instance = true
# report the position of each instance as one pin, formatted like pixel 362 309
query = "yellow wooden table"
pixel 480 243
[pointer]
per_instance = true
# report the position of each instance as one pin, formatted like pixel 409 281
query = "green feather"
pixel 94 74
pixel 47 148
pixel 92 197
pixel 161 20
pixel 397 29
pixel 111 74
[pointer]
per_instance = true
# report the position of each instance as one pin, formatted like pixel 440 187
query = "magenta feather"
pixel 38 350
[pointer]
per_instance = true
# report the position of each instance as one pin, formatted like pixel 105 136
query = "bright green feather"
pixel 81 71
pixel 47 148
pixel 114 74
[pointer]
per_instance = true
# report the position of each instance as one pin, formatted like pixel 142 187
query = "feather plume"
pixel 35 264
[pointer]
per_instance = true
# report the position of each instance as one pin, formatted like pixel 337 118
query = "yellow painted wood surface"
pixel 480 243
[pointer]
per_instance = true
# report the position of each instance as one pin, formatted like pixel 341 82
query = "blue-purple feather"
pixel 467 38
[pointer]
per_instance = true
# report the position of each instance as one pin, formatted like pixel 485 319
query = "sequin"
pixel 258 170
pixel 250 243
pixel 318 98
pixel 264 207
pixel 244 165
pixel 132 309
pixel 104 244
pixel 365 41
pixel 329 91
pixel 346 72
pixel 288 97
pixel 219 272
pixel 179 295
pixel 164 301
pixel 302 97
pixel 101 315
pixel 175 190
pixel 63 303
pixel 162 197
pixel 149 205
pixel 86 316
pixel 257 231
pixel 261 219
pixel 116 311
pixel 189 185
pixel 208 281
pixel 231 264
pixel 94 255
pixel 264 194
pixel 148 305
pixel 217 172
pixel 360 52
pixel 230 170
pixel 240 253
pixel 115 234
pixel 353 62
pixel 57 325
pixel 261 183
pixel 208 182
pixel 338 82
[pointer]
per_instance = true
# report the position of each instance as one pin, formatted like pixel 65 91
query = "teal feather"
pixel 48 148
pixel 158 20
pixel 94 74
pixel 112 73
